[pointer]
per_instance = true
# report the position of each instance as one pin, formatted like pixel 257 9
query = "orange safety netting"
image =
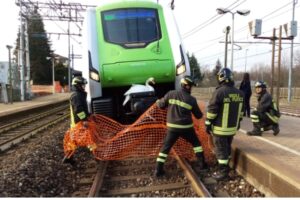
pixel 110 140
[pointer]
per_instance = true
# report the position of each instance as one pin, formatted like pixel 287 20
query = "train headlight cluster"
pixel 180 69
pixel 95 76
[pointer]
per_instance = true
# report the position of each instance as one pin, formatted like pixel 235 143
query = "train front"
pixel 129 46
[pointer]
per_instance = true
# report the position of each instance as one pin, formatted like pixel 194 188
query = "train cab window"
pixel 131 28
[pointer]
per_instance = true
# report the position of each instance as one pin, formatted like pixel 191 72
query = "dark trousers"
pixel 172 136
pixel 247 107
pixel 222 146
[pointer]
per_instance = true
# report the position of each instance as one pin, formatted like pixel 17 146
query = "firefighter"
pixel 78 106
pixel 266 115
pixel 180 105
pixel 223 117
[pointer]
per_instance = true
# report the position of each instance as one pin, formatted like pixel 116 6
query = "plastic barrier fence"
pixel 110 140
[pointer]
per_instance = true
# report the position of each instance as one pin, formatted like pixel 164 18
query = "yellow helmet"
pixel 187 80
pixel 79 80
pixel 225 75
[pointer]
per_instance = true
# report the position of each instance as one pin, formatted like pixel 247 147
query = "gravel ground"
pixel 34 168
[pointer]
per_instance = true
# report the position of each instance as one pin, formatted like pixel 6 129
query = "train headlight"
pixel 94 76
pixel 180 69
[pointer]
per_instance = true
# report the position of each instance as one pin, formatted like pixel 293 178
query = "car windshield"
pixel 131 26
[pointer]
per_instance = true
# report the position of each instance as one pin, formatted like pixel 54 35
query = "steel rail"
pixel 196 183
pixel 20 137
pixel 19 123
pixel 98 181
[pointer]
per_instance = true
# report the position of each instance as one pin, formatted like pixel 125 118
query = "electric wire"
pixel 208 22
pixel 245 28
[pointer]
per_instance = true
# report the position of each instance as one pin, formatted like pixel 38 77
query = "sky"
pixel 201 29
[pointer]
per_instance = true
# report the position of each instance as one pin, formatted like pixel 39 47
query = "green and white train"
pixel 127 42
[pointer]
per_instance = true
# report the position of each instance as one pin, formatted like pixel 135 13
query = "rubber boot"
pixel 267 128
pixel 275 129
pixel 221 173
pixel 201 161
pixel 256 130
pixel 159 172
pixel 70 161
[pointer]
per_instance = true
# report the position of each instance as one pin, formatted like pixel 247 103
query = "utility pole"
pixel 52 58
pixel 273 39
pixel 28 91
pixel 256 32
pixel 53 74
pixel 222 11
pixel 292 57
pixel 10 74
pixel 53 11
pixel 21 56
pixel 278 68
pixel 69 59
pixel 227 30
pixel 246 51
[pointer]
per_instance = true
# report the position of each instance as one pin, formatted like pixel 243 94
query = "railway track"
pixel 133 177
pixel 14 132
pixel 30 112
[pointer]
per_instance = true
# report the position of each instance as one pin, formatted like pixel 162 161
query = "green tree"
pixel 195 68
pixel 39 50
pixel 217 68
pixel 213 75
pixel 61 74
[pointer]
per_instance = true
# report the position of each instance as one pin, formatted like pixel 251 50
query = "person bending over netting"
pixel 180 104
pixel 78 107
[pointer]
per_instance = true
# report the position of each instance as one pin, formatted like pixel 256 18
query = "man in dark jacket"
pixel 224 113
pixel 180 106
pixel 78 103
pixel 78 107
pixel 266 115
pixel 246 88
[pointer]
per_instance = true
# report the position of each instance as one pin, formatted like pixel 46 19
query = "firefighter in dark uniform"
pixel 78 103
pixel 78 106
pixel 180 106
pixel 266 115
pixel 223 117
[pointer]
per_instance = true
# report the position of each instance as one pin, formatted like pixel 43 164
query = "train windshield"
pixel 131 27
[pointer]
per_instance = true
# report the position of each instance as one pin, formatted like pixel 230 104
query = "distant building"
pixel 4 74
pixel 64 61
pixel 61 59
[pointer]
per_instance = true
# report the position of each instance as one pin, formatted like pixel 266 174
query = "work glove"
pixel 85 124
pixel 208 127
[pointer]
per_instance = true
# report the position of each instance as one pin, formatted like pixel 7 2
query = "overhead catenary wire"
pixel 211 59
pixel 208 22
pixel 267 17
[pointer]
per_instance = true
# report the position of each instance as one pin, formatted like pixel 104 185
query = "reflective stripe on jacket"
pixel 78 107
pixel 181 104
pixel 225 110
pixel 266 105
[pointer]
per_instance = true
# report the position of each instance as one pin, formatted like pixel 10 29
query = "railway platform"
pixel 15 107
pixel 270 163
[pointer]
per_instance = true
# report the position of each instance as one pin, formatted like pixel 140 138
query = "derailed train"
pixel 125 43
